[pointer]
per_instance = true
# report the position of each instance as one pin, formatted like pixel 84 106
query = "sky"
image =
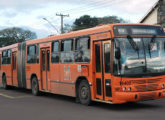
pixel 29 14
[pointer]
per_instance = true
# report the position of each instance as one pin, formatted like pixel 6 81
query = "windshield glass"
pixel 145 56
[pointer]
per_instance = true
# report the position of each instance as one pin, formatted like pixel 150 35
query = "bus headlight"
pixel 162 85
pixel 129 89
pixel 124 89
pixel 164 93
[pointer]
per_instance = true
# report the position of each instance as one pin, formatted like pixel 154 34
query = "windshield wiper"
pixel 151 44
pixel 133 44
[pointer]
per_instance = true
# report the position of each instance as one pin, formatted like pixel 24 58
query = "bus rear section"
pixel 11 68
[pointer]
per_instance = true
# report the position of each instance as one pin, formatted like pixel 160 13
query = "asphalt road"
pixel 16 104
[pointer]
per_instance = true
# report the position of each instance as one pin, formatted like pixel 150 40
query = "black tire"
pixel 4 83
pixel 84 93
pixel 35 86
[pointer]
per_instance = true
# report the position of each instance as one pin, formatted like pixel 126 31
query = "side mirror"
pixel 117 53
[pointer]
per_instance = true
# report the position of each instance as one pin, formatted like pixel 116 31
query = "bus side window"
pixel 0 62
pixel 82 53
pixel 31 55
pixel 14 62
pixel 4 54
pixel 37 53
pixel 6 57
pixel 67 55
pixel 107 57
pixel 55 52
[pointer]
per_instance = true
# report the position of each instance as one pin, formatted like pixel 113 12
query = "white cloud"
pixel 29 13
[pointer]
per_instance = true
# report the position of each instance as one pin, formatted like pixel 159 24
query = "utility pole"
pixel 51 24
pixel 62 21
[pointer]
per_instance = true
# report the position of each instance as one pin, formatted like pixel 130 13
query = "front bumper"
pixel 124 97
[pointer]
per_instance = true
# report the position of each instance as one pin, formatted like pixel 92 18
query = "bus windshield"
pixel 147 59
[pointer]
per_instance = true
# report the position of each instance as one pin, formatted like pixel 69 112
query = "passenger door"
pixel 45 68
pixel 14 69
pixel 102 58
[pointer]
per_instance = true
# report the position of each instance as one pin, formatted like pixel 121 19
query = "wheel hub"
pixel 84 92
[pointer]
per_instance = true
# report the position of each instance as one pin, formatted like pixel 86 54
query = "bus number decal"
pixel 79 68
pixel 67 73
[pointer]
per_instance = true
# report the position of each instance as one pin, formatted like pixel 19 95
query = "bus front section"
pixel 139 63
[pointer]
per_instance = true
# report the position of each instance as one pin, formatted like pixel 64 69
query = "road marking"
pixel 7 96
pixel 25 96
pixel 11 97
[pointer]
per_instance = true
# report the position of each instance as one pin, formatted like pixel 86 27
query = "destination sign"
pixel 138 30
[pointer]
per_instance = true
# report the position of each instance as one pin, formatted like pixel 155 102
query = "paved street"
pixel 18 104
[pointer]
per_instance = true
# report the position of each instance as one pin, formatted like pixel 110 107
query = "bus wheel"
pixel 35 87
pixel 4 83
pixel 84 93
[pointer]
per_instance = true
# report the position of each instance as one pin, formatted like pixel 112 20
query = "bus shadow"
pixel 14 90
pixel 116 107
pixel 127 106
pixel 58 97
pixel 105 106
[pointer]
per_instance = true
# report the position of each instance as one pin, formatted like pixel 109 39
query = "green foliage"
pixel 13 35
pixel 67 28
pixel 87 21
pixel 111 20
pixel 84 22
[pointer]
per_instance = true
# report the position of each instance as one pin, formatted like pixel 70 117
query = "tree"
pixel 111 20
pixel 13 35
pixel 84 22
pixel 67 28
pixel 87 21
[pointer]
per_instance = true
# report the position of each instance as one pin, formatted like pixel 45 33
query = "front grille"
pixel 153 80
pixel 147 96
pixel 139 81
pixel 146 81
pixel 143 88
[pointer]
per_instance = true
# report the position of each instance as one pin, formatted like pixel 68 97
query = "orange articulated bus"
pixel 115 63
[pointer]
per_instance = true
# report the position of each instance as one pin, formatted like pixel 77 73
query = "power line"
pixel 96 7
pixel 91 4
pixel 51 24
pixel 95 4
pixel 62 21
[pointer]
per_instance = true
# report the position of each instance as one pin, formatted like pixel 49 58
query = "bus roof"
pixel 9 47
pixel 97 29
pixel 72 34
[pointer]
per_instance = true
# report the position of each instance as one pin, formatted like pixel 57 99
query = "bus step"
pixel 109 102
